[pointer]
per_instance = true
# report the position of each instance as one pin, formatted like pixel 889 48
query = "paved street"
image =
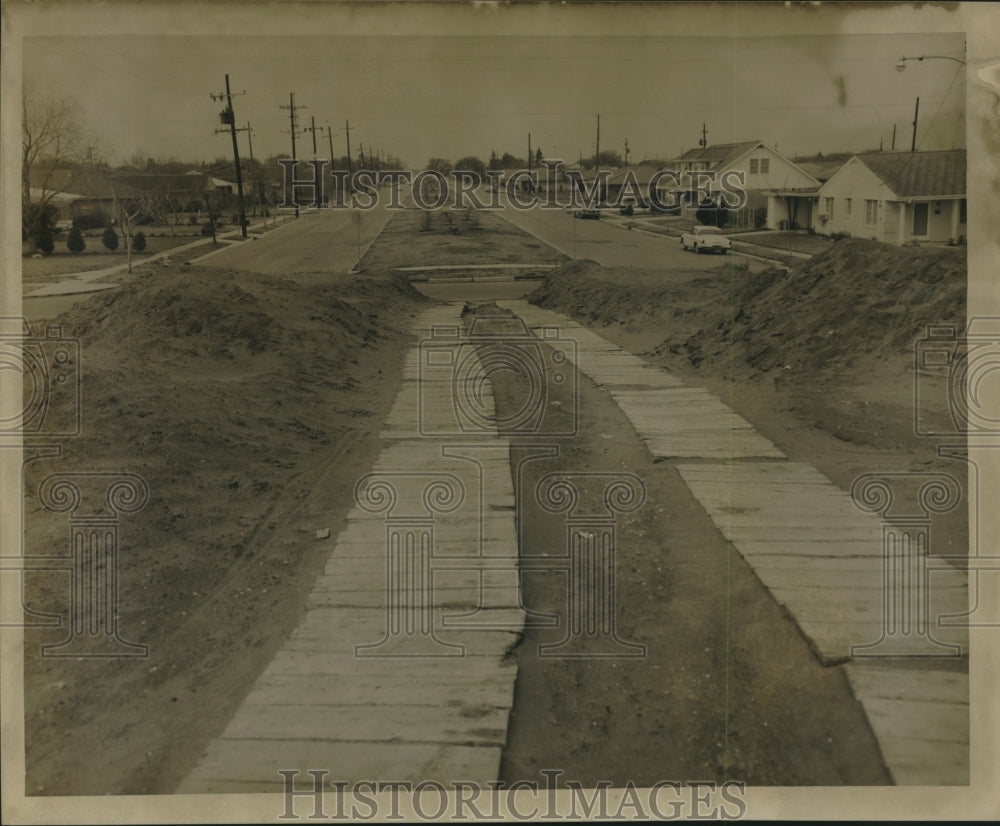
pixel 611 245
pixel 326 239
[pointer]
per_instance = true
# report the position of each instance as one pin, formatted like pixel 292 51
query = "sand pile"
pixel 248 404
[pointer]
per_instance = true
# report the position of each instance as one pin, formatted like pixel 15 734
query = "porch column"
pixel 955 212
pixel 901 230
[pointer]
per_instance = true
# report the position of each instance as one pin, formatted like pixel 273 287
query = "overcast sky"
pixel 426 96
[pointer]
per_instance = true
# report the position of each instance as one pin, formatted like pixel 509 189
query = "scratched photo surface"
pixel 464 411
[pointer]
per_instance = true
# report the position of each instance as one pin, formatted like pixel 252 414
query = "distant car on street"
pixel 587 213
pixel 709 239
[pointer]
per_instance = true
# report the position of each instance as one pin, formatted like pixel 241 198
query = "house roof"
pixel 919 174
pixel 104 183
pixel 821 170
pixel 643 174
pixel 718 154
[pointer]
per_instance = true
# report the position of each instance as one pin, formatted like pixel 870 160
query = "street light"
pixel 901 63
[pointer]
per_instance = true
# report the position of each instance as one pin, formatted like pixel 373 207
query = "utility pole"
pixel 626 153
pixel 228 117
pixel 704 136
pixel 329 135
pixel 350 163
pixel 312 129
pixel 894 137
pixel 529 160
pixel 293 129
pixel 597 161
pixel 254 188
pixel 916 112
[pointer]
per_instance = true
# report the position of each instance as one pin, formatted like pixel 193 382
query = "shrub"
pixel 43 239
pixel 75 242
pixel 110 239
pixel 139 242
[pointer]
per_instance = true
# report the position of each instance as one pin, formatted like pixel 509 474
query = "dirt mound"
pixel 249 404
pixel 860 298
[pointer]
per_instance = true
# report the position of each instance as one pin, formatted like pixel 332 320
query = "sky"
pixel 418 97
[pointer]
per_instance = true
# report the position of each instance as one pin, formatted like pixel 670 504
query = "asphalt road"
pixel 609 244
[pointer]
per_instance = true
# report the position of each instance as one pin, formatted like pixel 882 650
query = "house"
pixel 639 177
pixel 794 207
pixel 896 197
pixel 767 175
pixel 88 193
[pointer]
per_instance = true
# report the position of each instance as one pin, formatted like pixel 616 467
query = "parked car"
pixel 587 213
pixel 628 205
pixel 706 238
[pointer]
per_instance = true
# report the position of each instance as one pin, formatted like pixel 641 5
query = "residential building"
pixel 766 176
pixel 896 197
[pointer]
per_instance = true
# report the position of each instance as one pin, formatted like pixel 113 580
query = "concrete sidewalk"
pixel 89 281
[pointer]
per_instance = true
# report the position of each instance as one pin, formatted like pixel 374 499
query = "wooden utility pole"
pixel 293 129
pixel 254 188
pixel 228 117
pixel 916 112
pixel 350 162
pixel 893 137
pixel 529 161
pixel 704 136
pixel 597 160
pixel 626 153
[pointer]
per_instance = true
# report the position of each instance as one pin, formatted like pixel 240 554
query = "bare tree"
pixel 52 149
pixel 129 213
pixel 214 210
pixel 167 209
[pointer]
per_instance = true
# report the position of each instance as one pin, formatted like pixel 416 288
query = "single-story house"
pixel 896 197
pixel 794 207
pixel 639 177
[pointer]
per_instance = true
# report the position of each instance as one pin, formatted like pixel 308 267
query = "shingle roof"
pixel 642 173
pixel 821 170
pixel 719 154
pixel 919 174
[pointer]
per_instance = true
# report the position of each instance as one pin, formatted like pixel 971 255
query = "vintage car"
pixel 706 238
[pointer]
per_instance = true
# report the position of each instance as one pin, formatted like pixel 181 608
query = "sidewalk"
pixel 89 280
pixel 817 554
pixel 393 674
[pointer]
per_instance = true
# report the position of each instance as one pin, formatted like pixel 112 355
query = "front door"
pixel 919 220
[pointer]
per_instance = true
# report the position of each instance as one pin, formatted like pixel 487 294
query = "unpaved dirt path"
pixel 728 688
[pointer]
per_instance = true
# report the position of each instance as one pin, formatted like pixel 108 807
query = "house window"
pixel 828 207
pixel 754 166
pixel 765 164
pixel 871 212
pixel 847 207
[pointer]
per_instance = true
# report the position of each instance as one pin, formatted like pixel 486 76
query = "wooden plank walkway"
pixel 673 420
pixel 433 702
pixel 814 550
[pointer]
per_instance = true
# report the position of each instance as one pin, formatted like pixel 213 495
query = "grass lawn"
pixel 95 256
